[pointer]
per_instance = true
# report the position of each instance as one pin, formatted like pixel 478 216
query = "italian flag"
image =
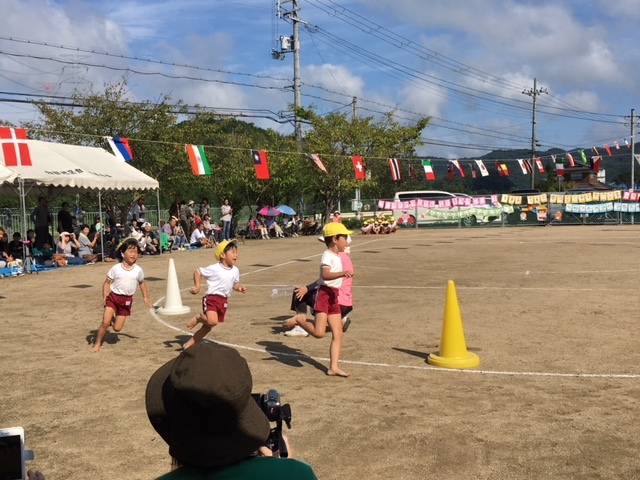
pixel 198 160
pixel 428 171
pixel 559 166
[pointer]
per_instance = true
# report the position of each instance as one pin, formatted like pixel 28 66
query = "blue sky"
pixel 465 64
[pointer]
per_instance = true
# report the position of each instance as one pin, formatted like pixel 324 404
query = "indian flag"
pixel 428 171
pixel 198 160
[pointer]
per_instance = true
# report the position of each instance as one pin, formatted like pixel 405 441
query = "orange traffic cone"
pixel 453 349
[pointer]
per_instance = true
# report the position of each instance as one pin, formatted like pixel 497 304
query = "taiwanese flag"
pixel 260 164
pixel 121 148
pixel 395 170
pixel 15 151
pixel 316 159
pixel 358 168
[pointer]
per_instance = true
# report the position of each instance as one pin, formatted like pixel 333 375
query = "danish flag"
pixel 15 151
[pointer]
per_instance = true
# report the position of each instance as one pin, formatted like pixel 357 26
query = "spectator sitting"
pixel 86 246
pixel 272 225
pixel 67 243
pixel 167 229
pixel 309 226
pixel 149 241
pixel 211 230
pixel 178 232
pixel 112 238
pixel 212 425
pixel 264 232
pixel 198 237
pixel 4 242
pixel 44 255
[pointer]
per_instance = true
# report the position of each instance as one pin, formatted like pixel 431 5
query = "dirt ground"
pixel 552 313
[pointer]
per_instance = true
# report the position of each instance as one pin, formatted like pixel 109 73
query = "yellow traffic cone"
pixel 453 349
pixel 172 300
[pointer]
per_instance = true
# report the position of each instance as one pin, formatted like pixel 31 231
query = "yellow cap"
pixel 335 228
pixel 222 245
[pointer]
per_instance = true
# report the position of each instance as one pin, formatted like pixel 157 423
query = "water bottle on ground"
pixel 283 291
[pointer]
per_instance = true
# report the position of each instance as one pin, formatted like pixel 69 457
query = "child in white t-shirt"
pixel 117 291
pixel 222 278
pixel 326 307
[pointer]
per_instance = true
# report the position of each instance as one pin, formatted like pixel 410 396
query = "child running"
pixel 326 307
pixel 118 289
pixel 222 278
pixel 303 297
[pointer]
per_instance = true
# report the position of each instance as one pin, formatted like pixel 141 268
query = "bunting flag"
pixel 197 159
pixel 483 170
pixel 15 150
pixel 523 166
pixel 457 165
pixel 428 171
pixel 505 170
pixel 539 165
pixel 358 168
pixel 450 172
pixel 583 156
pixel 615 144
pixel 595 150
pixel 121 148
pixel 559 166
pixel 395 170
pixel 595 163
pixel 474 172
pixel 316 159
pixel 412 171
pixel 606 147
pixel 570 159
pixel 626 142
pixel 260 164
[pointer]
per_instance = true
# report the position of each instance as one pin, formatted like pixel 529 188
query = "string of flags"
pixel 15 152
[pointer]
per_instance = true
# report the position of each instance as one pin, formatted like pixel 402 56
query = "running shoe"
pixel 346 321
pixel 296 331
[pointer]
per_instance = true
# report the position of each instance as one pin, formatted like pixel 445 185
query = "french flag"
pixel 121 148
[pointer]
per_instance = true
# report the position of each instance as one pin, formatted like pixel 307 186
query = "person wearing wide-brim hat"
pixel 326 307
pixel 222 278
pixel 200 404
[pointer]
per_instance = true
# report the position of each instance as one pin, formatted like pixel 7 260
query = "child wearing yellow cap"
pixel 326 307
pixel 222 278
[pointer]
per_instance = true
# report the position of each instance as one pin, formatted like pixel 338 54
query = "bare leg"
pixel 194 321
pixel 293 321
pixel 107 318
pixel 208 321
pixel 335 322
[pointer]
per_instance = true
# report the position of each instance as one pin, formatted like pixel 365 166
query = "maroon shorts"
pixel 327 301
pixel 215 303
pixel 121 304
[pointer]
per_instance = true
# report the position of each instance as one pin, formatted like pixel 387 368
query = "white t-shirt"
pixel 123 281
pixel 220 280
pixel 138 212
pixel 331 260
pixel 225 210
pixel 196 235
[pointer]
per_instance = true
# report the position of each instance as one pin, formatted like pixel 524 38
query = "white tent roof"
pixel 7 175
pixel 78 168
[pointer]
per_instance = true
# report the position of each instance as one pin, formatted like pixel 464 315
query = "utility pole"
pixel 534 93
pixel 354 110
pixel 291 45
pixel 633 149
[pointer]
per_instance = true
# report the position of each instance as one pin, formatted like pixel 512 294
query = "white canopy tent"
pixel 58 168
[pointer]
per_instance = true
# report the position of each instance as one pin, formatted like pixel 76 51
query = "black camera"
pixel 269 403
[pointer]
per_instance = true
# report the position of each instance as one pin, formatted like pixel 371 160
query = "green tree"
pixel 335 138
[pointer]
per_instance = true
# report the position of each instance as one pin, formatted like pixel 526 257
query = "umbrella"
pixel 286 210
pixel 268 211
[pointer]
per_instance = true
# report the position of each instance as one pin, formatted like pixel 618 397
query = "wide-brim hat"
pixel 335 228
pixel 222 245
pixel 200 404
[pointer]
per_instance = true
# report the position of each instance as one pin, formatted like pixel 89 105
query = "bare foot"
pixel 337 373
pixel 192 323
pixel 95 349
pixel 289 323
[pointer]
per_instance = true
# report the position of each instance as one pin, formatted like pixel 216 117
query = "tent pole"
pixel 158 204
pixel 101 232
pixel 23 207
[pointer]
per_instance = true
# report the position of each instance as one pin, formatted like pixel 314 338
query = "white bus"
pixel 418 207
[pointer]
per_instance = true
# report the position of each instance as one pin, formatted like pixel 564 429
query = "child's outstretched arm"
pixel 196 283
pixel 239 288
pixel 143 289
pixel 105 290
